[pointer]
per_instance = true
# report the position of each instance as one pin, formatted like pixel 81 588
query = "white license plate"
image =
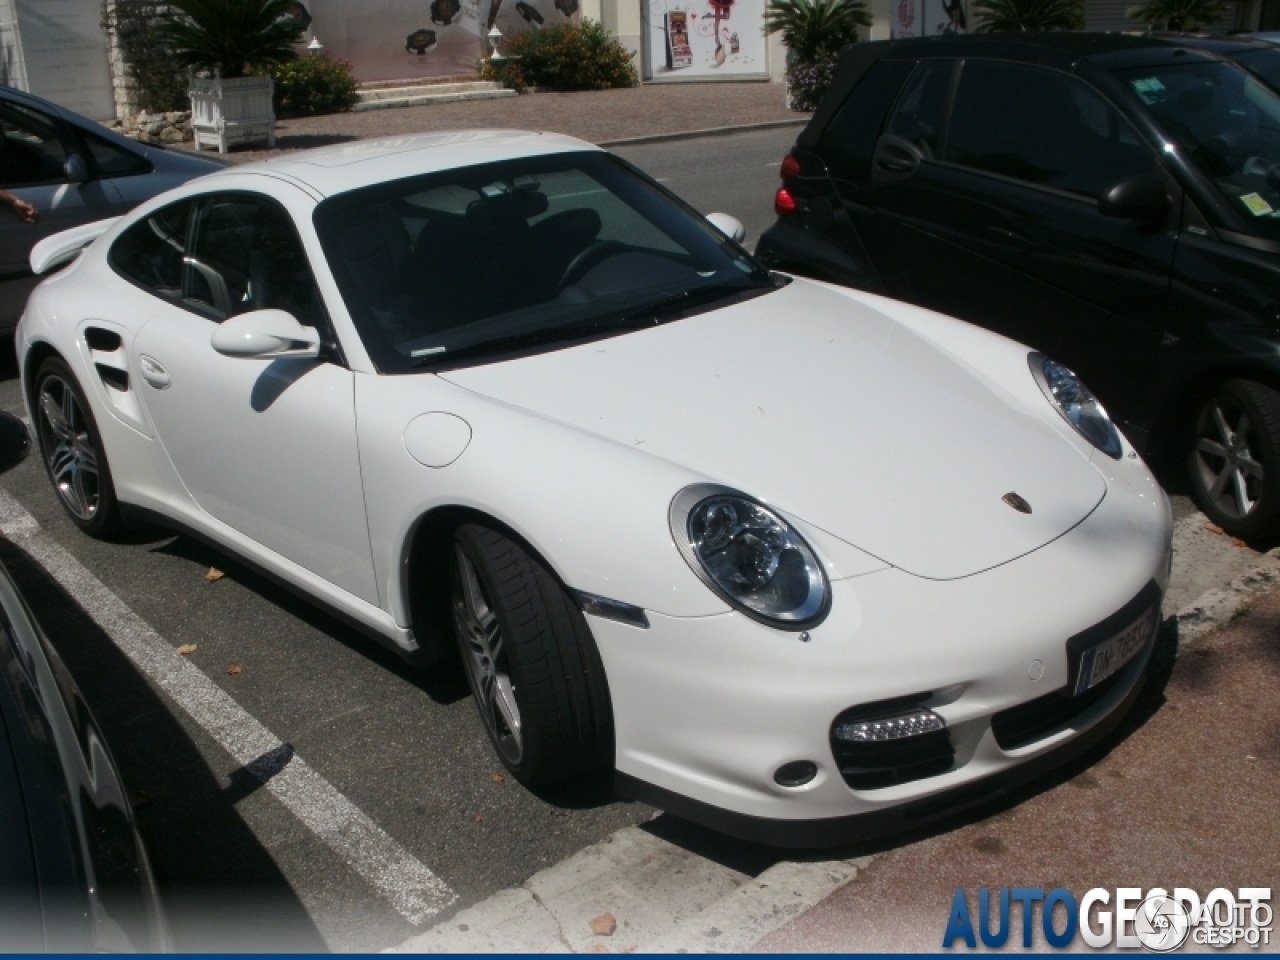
pixel 1104 659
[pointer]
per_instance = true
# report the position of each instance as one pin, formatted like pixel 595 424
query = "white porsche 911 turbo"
pixel 791 559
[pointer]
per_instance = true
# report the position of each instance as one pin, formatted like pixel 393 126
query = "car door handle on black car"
pixel 895 158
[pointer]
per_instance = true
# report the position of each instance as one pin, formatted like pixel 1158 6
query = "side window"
pixel 921 111
pixel 30 150
pixel 150 252
pixel 112 160
pixel 246 255
pixel 850 138
pixel 1043 127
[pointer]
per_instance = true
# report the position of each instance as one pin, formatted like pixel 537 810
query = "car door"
pixel 34 149
pixel 987 183
pixel 266 446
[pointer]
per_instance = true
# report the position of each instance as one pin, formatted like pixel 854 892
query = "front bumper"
pixel 707 709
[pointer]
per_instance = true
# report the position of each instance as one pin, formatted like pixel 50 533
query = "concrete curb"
pixel 706 132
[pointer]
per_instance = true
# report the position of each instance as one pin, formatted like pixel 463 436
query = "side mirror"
pixel 15 442
pixel 265 334
pixel 731 227
pixel 1144 197
pixel 75 169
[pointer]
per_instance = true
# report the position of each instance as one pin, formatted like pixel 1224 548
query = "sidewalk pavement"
pixel 598 116
pixel 1188 798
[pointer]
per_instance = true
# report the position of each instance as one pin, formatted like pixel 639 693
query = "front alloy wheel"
pixel 531 660
pixel 1234 468
pixel 480 636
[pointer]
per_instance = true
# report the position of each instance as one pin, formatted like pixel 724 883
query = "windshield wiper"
pixel 530 338
pixel 647 316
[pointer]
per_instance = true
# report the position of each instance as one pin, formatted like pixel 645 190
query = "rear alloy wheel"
pixel 71 448
pixel 530 659
pixel 1235 459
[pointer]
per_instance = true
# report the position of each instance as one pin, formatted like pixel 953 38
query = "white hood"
pixel 831 411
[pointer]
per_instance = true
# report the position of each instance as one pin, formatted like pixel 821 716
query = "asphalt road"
pixel 238 869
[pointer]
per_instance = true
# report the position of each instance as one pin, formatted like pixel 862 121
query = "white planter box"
pixel 229 112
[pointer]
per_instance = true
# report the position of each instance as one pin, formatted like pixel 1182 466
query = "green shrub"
pixel 1020 16
pixel 1178 14
pixel 231 38
pixel 310 86
pixel 807 83
pixel 160 87
pixel 816 30
pixel 571 56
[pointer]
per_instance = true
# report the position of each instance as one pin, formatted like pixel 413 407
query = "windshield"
pixel 1228 124
pixel 486 260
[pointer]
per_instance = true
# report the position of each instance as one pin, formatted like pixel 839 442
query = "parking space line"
pixel 414 891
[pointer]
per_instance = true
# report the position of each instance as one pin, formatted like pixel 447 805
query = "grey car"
pixel 73 171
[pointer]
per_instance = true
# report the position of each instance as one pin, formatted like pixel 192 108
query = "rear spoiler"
pixel 62 248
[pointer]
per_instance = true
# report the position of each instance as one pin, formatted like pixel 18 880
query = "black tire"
pixel 546 654
pixel 1234 460
pixel 71 448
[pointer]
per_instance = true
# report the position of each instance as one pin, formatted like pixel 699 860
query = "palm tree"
pixel 816 29
pixel 231 37
pixel 1178 14
pixel 1019 16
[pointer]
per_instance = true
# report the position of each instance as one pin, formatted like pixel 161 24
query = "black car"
pixel 1112 201
pixel 74 877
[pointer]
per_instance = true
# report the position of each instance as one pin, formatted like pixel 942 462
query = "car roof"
pixel 360 163
pixel 1062 49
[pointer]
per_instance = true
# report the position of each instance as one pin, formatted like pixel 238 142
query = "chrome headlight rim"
pixel 682 509
pixel 1115 448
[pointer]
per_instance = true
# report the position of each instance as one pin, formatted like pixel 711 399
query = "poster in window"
pixel 904 18
pixel 721 37
pixel 679 53
pixel 943 17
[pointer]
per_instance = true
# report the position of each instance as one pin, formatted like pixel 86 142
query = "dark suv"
pixel 1111 201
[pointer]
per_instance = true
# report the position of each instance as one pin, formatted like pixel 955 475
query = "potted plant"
pixel 231 45
pixel 814 31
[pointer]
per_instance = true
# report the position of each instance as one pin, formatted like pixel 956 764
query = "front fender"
pixel 595 510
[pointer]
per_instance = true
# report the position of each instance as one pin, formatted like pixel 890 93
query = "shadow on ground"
pixel 221 889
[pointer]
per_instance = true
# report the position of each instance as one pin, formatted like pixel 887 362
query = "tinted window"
pixel 113 161
pixel 150 252
pixel 479 260
pixel 1228 125
pixel 1264 62
pixel 921 111
pixel 30 151
pixel 246 255
pixel 1043 127
pixel 850 138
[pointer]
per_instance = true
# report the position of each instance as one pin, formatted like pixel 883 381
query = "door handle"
pixel 153 372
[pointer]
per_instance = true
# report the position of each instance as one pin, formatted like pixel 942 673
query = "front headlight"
pixel 1080 408
pixel 750 556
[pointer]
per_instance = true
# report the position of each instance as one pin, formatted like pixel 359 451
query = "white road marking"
pixel 407 884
